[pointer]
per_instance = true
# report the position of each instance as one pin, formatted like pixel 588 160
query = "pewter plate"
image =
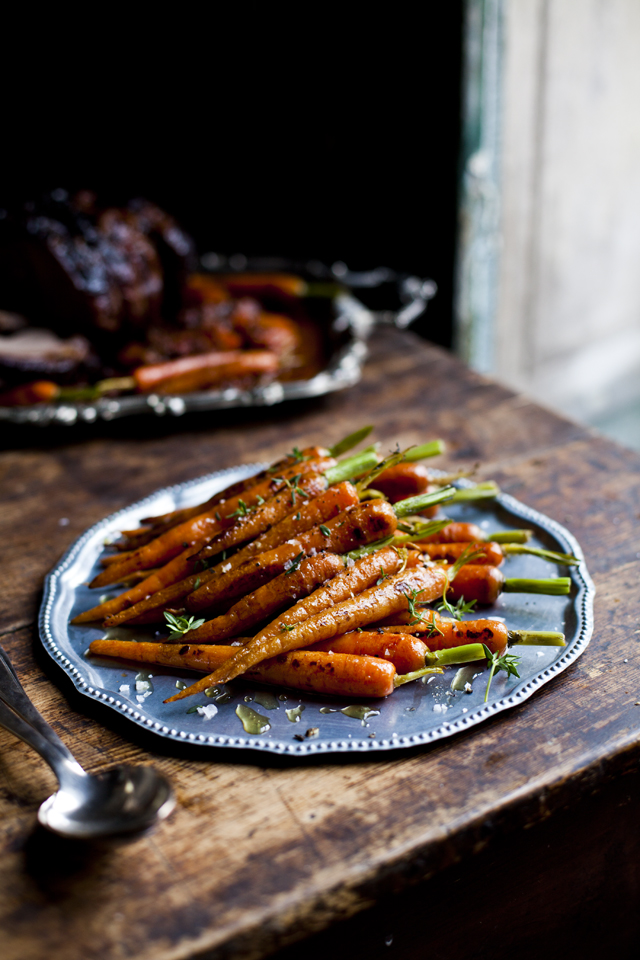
pixel 416 713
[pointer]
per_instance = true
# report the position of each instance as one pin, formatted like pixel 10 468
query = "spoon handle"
pixel 19 716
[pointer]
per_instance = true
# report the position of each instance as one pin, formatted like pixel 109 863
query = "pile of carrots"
pixel 316 574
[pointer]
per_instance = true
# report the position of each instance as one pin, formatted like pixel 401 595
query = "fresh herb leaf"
pixel 217 515
pixel 193 709
pixel 325 530
pixel 242 510
pixel 412 600
pixel 468 555
pixel 181 625
pixel 298 515
pixel 383 576
pixel 260 500
pixel 284 627
pixel 295 563
pixel 507 662
pixel 458 609
pixel 197 583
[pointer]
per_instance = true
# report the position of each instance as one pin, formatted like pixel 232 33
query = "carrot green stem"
pixel 422 530
pixel 537 638
pixel 510 536
pixel 401 678
pixel 553 587
pixel 404 508
pixel 430 449
pixel 467 653
pixel 565 558
pixel 348 443
pixel 352 467
pixel 481 491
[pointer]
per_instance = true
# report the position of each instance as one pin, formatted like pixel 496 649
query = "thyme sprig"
pixel 292 485
pixel 507 662
pixel 180 625
pixel 295 563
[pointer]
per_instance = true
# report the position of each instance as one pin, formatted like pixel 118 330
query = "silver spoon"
pixel 123 800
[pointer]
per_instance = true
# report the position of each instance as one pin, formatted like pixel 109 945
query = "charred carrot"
pixel 316 672
pixel 206 525
pixel 268 600
pixel 405 652
pixel 381 600
pixel 491 552
pixel 359 525
pixel 333 501
pixel 297 456
pixel 484 584
pixel 402 481
pixel 225 589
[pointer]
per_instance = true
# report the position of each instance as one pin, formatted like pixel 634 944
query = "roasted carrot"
pixel 359 525
pixel 402 481
pixel 224 588
pixel 268 600
pixel 484 584
pixel 310 512
pixel 160 524
pixel 405 652
pixel 457 532
pixel 489 553
pixel 394 593
pixel 356 576
pixel 206 525
pixel 316 672
pixel 454 633
pixel 203 370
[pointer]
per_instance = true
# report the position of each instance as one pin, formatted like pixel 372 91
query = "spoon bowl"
pixel 122 800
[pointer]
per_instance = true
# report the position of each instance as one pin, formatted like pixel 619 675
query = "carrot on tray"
pixel 205 525
pixel 299 580
pixel 393 593
pixel 359 525
pixel 484 584
pixel 405 652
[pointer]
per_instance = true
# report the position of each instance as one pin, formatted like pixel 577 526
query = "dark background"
pixel 261 132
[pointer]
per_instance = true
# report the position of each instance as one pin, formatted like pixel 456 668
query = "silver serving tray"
pixel 352 322
pixel 416 713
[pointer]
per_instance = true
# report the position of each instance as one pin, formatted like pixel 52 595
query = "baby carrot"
pixel 268 600
pixel 204 526
pixel 403 480
pixel 488 553
pixel 359 525
pixel 405 652
pixel 165 521
pixel 383 599
pixel 200 371
pixel 484 584
pixel 338 674
pixel 225 588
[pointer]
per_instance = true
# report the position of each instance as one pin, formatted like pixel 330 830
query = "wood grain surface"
pixel 263 852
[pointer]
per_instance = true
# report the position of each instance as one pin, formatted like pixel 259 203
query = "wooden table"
pixel 520 834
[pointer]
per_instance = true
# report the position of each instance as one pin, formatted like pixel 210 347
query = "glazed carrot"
pixel 484 584
pixel 203 370
pixel 206 525
pixel 457 532
pixel 156 580
pixel 356 576
pixel 224 589
pixel 359 525
pixel 455 633
pixel 39 391
pixel 322 504
pixel 405 652
pixel 402 481
pixel 165 521
pixel 489 553
pixel 268 600
pixel 317 672
pixel 380 600
pixel 310 512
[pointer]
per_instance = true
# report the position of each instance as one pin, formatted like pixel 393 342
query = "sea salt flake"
pixel 208 711
pixel 124 688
